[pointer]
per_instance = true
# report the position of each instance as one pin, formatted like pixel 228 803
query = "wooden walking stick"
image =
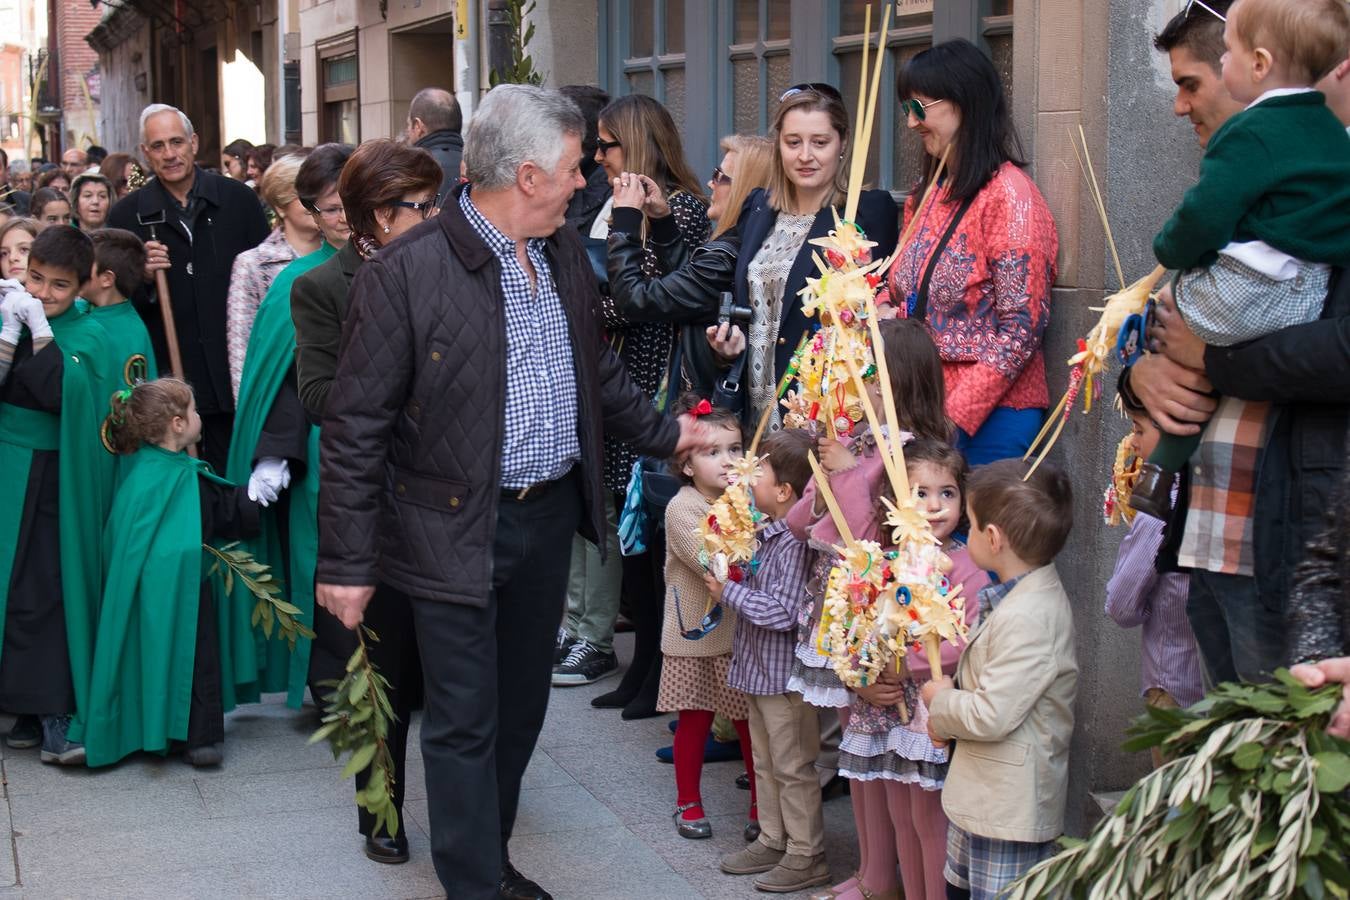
pixel 165 305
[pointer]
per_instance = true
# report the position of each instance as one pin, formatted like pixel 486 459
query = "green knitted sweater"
pixel 1278 172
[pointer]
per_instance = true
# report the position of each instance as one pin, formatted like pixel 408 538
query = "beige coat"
pixel 1012 716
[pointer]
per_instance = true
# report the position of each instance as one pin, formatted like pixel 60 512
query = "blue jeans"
pixel 1240 635
pixel 1007 433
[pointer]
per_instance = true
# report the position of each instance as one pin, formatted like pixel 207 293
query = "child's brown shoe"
pixel 752 860
pixel 795 873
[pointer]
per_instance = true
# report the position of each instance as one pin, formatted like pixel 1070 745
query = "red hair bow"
pixel 703 409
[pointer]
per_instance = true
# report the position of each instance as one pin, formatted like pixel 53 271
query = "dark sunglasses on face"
pixel 422 206
pixel 720 177
pixel 917 108
pixel 712 617
pixel 606 146
pixel 817 87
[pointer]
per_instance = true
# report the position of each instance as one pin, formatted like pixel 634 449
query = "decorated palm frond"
pixel 1116 509
pixel 357 717
pixel 271 611
pixel 728 532
pixel 1252 804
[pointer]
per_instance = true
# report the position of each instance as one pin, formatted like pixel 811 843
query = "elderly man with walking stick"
pixel 194 224
pixel 461 450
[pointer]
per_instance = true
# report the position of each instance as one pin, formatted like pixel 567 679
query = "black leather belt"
pixel 537 490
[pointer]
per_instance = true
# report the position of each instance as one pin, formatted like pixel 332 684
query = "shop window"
pixel 654 60
pixel 339 87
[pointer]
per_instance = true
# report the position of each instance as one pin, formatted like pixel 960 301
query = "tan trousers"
pixel 785 739
pixel 1156 696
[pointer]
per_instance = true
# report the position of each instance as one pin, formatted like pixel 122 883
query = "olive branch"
pixel 357 716
pixel 1252 804
pixel 271 610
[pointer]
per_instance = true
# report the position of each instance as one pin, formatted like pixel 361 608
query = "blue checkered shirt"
pixel 992 595
pixel 540 441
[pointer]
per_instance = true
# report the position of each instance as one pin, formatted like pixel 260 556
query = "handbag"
pixel 727 393
pixel 652 485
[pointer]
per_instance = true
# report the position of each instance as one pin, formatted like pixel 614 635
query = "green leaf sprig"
pixel 357 716
pixel 271 611
pixel 1252 804
pixel 521 70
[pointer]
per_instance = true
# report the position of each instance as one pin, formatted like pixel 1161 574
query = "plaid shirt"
pixel 767 605
pixel 992 595
pixel 1218 533
pixel 540 442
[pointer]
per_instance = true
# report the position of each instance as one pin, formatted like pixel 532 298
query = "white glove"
pixel 29 311
pixel 9 284
pixel 271 475
pixel 10 326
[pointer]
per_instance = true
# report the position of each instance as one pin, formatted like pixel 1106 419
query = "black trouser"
pixel 217 430
pixel 395 655
pixel 487 672
pixel 206 715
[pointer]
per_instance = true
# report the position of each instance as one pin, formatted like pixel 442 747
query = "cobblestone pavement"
pixel 276 821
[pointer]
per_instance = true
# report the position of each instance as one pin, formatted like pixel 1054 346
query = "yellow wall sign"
pixel 461 19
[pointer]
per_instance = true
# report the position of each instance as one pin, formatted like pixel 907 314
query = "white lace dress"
pixel 767 275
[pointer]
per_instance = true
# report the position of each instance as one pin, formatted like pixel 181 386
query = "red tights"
pixel 691 736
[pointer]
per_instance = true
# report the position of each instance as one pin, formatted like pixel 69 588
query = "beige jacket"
pixel 1012 716
pixel 684 576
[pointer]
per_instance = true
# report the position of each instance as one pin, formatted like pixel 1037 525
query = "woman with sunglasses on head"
pixel 685 292
pixel 658 198
pixel 978 267
pixel 296 235
pixel 807 180
pixel 386 189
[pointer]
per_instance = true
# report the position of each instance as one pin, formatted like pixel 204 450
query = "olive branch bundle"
pixel 270 610
pixel 357 716
pixel 1252 803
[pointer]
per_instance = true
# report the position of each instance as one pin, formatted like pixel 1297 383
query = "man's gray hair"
pixel 516 124
pixel 155 109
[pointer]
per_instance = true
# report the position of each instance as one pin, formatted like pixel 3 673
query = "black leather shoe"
pixel 515 886
pixel 387 850
pixel 1152 494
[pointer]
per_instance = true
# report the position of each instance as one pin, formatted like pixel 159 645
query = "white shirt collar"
pixel 1279 92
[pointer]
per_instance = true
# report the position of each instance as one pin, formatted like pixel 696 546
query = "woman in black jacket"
pixel 808 179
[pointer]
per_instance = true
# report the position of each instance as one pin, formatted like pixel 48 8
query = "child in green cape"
pixel 54 497
pixel 156 674
pixel 119 268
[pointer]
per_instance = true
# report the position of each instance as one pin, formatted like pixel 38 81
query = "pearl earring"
pixel 386 229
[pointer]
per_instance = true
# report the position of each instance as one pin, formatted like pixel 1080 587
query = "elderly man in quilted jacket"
pixel 461 450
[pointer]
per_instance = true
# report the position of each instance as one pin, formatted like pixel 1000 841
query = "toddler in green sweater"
pixel 1255 239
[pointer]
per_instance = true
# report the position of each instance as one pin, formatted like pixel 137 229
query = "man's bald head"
pixel 74 161
pixel 437 109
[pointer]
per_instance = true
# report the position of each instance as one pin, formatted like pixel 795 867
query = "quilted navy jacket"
pixel 412 433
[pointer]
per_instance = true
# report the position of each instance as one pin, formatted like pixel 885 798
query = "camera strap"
pixel 920 310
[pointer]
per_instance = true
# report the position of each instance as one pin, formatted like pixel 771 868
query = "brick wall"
pixel 75 19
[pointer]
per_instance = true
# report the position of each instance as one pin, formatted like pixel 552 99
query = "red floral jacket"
pixel 989 297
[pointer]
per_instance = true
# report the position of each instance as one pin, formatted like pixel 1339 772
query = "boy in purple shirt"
pixel 784 730
pixel 1138 594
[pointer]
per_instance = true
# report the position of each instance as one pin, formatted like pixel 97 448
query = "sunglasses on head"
pixel 712 617
pixel 916 108
pixel 814 87
pixel 720 177
pixel 1206 7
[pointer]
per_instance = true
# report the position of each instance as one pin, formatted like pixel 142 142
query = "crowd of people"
pixel 478 391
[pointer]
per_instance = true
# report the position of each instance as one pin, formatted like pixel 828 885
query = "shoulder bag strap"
pixel 921 303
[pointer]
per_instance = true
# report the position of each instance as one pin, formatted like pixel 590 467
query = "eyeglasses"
pixel 423 206
pixel 328 212
pixel 917 108
pixel 816 87
pixel 712 617
pixel 606 146
pixel 1206 7
pixel 720 177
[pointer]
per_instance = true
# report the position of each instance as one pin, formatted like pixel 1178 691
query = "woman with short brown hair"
pixel 386 189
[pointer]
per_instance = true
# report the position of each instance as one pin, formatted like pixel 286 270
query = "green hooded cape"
pixel 141 690
pixel 252 664
pixel 86 472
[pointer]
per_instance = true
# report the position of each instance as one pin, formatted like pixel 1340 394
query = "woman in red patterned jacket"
pixel 978 266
